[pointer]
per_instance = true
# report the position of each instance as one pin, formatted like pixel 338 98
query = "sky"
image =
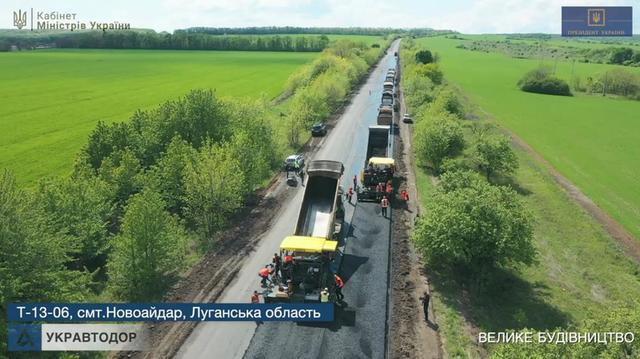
pixel 467 16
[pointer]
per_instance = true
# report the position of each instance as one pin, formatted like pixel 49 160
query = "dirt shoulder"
pixel 410 335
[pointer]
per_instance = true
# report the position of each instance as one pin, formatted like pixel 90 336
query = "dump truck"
pixel 385 115
pixel 379 166
pixel 387 98
pixel 388 86
pixel 313 246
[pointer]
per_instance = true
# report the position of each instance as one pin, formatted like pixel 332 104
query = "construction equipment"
pixel 387 98
pixel 385 115
pixel 379 166
pixel 314 244
pixel 388 86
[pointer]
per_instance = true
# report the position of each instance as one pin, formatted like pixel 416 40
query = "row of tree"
pixel 618 81
pixel 146 192
pixel 472 222
pixel 272 30
pixel 301 39
pixel 320 87
pixel 179 40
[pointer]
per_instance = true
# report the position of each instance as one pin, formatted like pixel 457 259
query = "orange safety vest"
pixel 384 203
pixel 339 282
pixel 264 272
pixel 288 259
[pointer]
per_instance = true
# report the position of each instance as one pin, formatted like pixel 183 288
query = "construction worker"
pixel 425 305
pixel 389 189
pixel 277 262
pixel 272 274
pixel 350 194
pixel 289 287
pixel 301 174
pixel 384 204
pixel 324 296
pixel 264 274
pixel 255 297
pixel 287 267
pixel 339 286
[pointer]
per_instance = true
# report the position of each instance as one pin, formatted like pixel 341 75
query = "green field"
pixel 592 140
pixel 52 99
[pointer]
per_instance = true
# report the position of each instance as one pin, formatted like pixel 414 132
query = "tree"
pixel 80 209
pixel 447 101
pixel 473 224
pixel 33 255
pixel 167 176
pixel 436 139
pixel 542 81
pixel 122 172
pixel 418 91
pixel 620 55
pixel 149 252
pixel 493 154
pixel 214 190
pixel 432 71
pixel 424 57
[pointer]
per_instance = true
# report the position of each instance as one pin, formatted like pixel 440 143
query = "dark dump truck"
pixel 313 246
pixel 385 115
pixel 378 167
pixel 387 98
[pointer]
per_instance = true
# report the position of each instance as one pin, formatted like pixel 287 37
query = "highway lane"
pixel 346 142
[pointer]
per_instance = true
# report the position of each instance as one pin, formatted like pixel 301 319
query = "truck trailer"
pixel 385 115
pixel 378 167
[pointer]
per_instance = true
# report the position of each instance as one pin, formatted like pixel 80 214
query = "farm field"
pixel 53 98
pixel 590 139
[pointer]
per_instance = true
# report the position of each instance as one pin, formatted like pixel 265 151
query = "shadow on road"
pixel 344 317
pixel 350 264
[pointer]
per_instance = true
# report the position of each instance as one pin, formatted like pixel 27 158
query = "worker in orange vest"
pixel 350 194
pixel 384 204
pixel 339 286
pixel 405 195
pixel 287 267
pixel 255 297
pixel 264 274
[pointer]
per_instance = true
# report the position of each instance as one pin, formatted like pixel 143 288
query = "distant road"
pixel 360 330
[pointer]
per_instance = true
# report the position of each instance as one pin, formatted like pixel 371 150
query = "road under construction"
pixel 360 328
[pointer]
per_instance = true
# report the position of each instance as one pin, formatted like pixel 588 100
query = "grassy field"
pixel 592 140
pixel 580 271
pixel 52 99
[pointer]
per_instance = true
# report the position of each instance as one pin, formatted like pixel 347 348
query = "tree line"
pixel 271 30
pixel 472 222
pixel 148 196
pixel 178 40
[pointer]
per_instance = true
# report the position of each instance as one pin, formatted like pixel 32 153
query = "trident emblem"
pixel 20 19
pixel 596 17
